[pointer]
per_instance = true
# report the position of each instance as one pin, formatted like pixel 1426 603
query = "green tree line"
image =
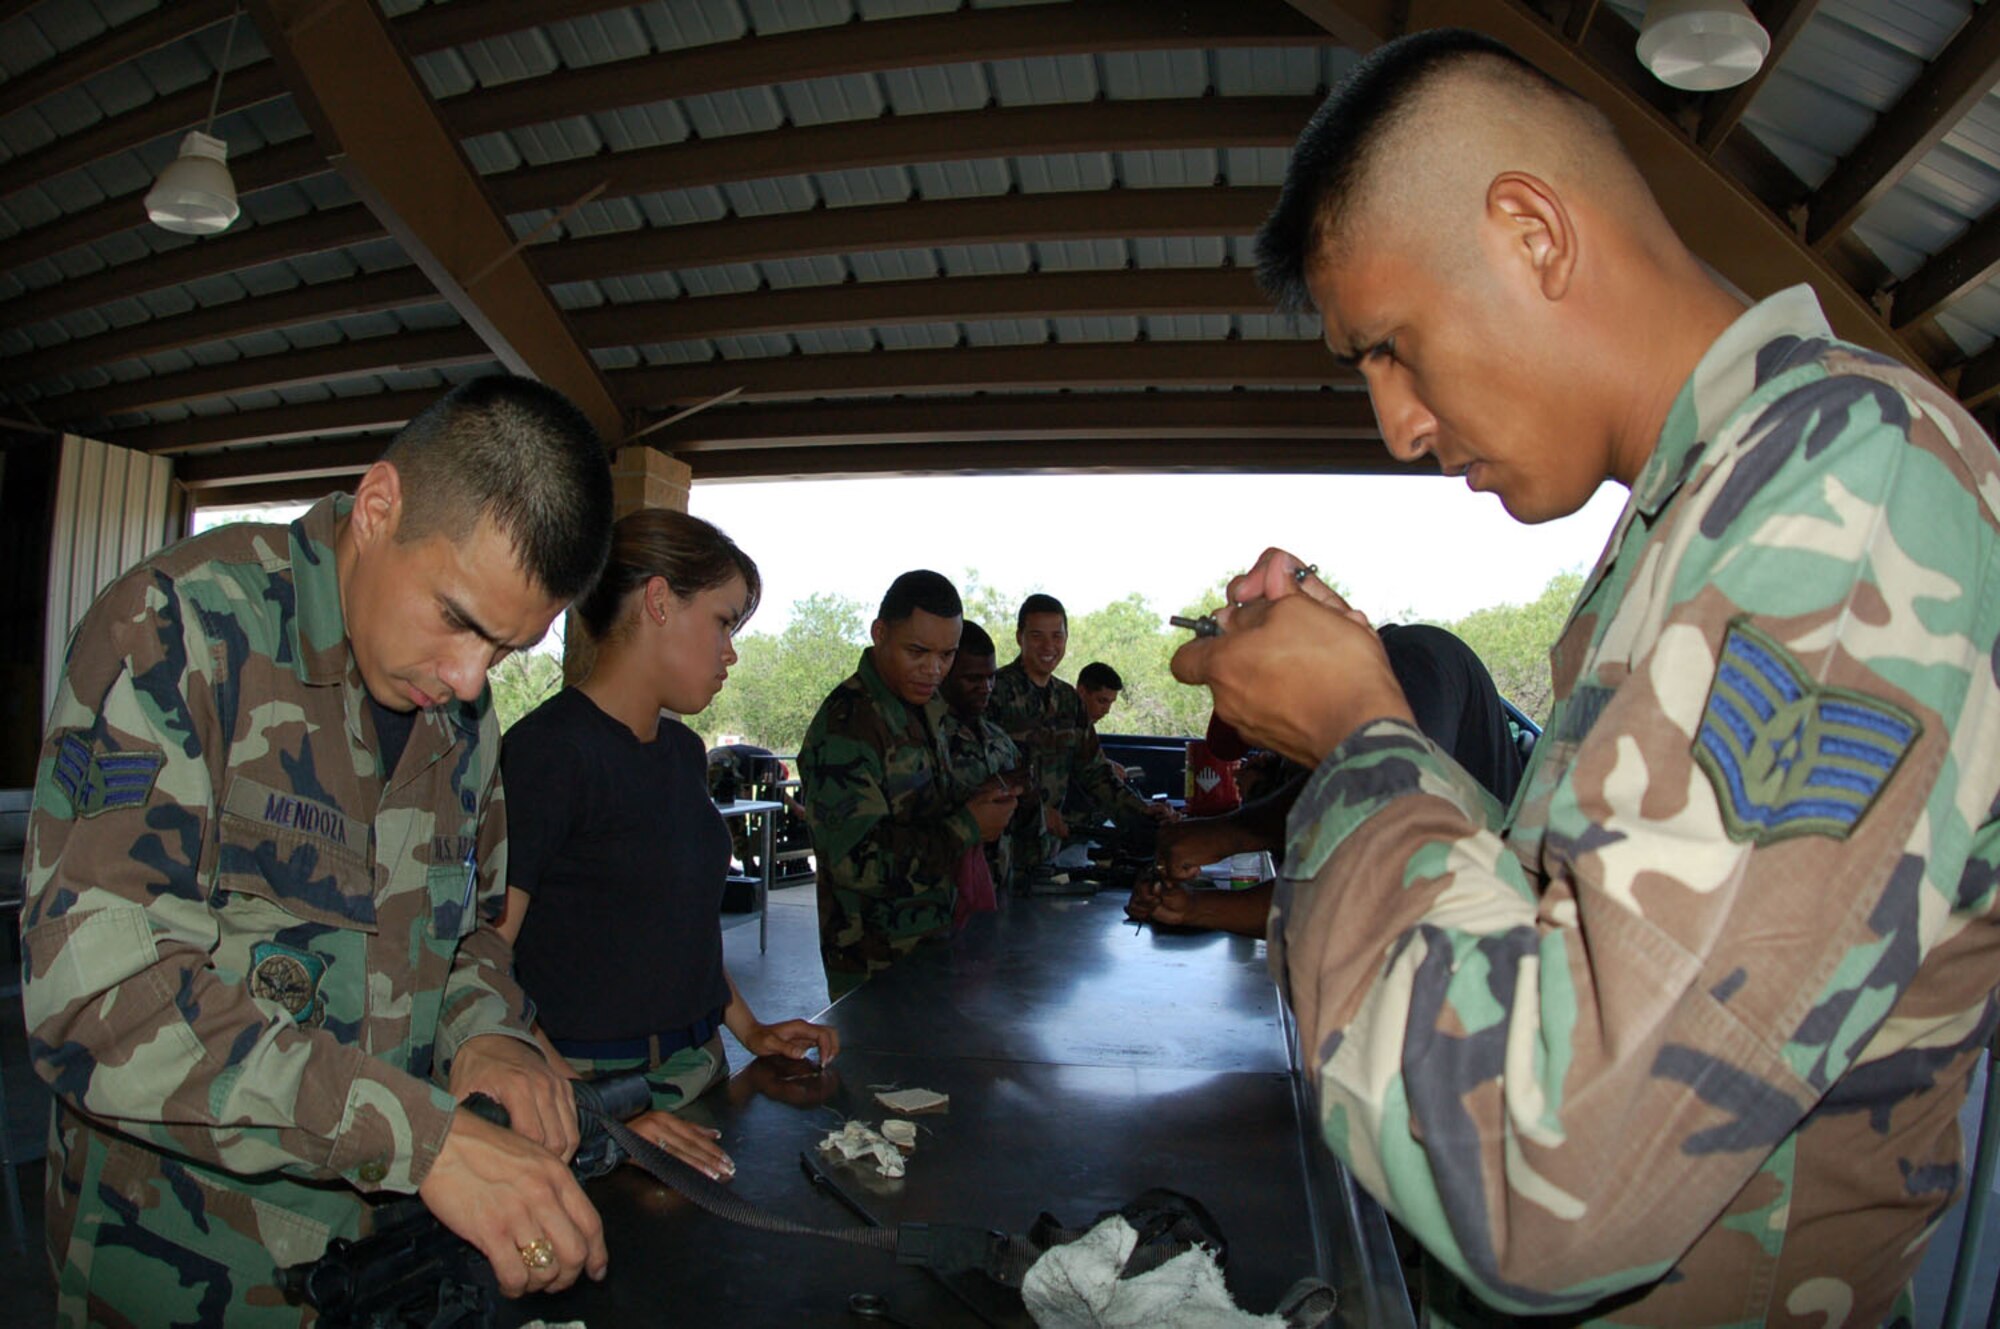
pixel 780 678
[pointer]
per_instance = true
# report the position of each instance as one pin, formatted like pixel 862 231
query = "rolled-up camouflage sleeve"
pixel 864 848
pixel 128 1019
pixel 481 996
pixel 1559 1052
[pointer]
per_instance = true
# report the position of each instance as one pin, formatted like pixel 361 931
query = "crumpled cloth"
pixel 856 1141
pixel 1076 1286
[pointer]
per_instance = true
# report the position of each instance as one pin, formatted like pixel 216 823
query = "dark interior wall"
pixel 28 464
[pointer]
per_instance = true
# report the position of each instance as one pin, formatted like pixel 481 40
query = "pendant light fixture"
pixel 1702 45
pixel 195 195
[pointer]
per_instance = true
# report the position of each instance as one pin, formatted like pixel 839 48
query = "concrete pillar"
pixel 641 477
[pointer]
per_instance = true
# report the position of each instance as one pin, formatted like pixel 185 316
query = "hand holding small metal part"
pixel 1205 626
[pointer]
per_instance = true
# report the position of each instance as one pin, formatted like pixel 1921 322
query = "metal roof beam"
pixel 372 291
pixel 1119 214
pixel 1941 97
pixel 969 369
pixel 1127 292
pixel 1086 27
pixel 268 373
pixel 372 116
pixel 1021 131
pixel 1784 20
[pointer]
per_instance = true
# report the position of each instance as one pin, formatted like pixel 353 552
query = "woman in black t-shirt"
pixel 616 858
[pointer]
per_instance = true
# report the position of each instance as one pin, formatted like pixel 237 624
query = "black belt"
pixel 668 1041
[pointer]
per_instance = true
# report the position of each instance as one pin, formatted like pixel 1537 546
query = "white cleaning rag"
pixel 1076 1286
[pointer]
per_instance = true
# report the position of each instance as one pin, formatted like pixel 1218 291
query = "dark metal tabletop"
pixel 1084 1065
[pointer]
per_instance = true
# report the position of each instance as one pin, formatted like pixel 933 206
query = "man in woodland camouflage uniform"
pixel 1046 719
pixel 266 834
pixel 888 830
pixel 1683 1038
pixel 977 750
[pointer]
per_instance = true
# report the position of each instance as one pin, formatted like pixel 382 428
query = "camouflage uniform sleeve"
pixel 1095 777
pixel 481 996
pixel 128 1019
pixel 865 848
pixel 1558 1075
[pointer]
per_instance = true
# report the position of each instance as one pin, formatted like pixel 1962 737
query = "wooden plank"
pixel 324 300
pixel 267 373
pixel 967 369
pixel 372 116
pixel 1021 131
pixel 1128 292
pixel 1120 214
pixel 1089 27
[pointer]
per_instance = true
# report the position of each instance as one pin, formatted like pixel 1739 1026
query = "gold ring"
pixel 538 1254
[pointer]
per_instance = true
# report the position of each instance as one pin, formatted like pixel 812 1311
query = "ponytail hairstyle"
pixel 692 555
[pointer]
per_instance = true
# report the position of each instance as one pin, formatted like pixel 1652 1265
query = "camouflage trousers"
pixel 138 1237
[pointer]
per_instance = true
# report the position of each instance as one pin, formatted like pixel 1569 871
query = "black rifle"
pixel 413 1271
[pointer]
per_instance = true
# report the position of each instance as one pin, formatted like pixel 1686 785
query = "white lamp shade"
pixel 1702 45
pixel 195 194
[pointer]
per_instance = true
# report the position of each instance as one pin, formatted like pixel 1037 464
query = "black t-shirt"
pixel 1455 703
pixel 392 734
pixel 625 857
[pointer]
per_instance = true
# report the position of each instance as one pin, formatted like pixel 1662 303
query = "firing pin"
pixel 1205 626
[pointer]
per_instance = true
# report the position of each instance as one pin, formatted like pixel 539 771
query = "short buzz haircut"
pixel 521 453
pixel 1039 604
pixel 1098 675
pixel 1329 167
pixel 922 589
pixel 974 643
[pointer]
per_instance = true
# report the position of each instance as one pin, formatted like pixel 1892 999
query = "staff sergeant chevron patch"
pixel 1787 757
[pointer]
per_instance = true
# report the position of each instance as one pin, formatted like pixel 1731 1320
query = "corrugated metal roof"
pixel 1850 65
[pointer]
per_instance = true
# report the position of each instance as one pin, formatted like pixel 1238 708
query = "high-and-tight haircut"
pixel 973 642
pixel 692 555
pixel 1039 603
pixel 1328 173
pixel 1098 674
pixel 922 589
pixel 521 453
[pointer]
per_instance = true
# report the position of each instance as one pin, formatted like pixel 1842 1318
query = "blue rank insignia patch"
pixel 289 976
pixel 1787 757
pixel 97 781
